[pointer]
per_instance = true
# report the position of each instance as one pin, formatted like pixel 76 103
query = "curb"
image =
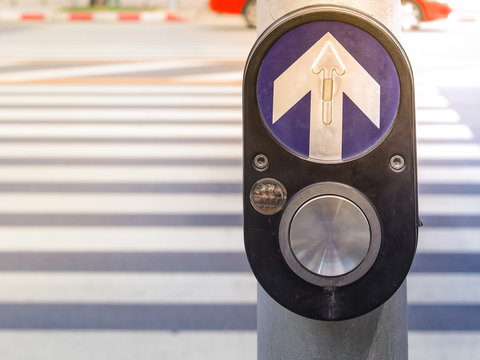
pixel 465 16
pixel 469 19
pixel 158 16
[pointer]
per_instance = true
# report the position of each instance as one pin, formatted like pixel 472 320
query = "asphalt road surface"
pixel 120 193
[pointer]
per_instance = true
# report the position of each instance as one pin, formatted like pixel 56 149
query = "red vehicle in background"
pixel 413 11
pixel 246 7
pixel 416 11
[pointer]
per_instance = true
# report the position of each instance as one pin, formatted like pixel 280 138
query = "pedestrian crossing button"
pixel 330 236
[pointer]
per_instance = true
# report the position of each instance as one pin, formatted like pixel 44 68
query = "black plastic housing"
pixel 392 194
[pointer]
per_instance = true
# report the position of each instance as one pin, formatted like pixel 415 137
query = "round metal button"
pixel 330 235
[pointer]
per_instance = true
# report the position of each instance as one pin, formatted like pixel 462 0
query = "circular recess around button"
pixel 330 234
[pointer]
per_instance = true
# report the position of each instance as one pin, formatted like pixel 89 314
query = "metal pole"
pixel 379 335
pixel 387 12
pixel 173 4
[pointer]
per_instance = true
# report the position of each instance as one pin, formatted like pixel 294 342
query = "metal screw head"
pixel 397 163
pixel 260 162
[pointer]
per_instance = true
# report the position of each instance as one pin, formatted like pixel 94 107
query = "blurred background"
pixel 120 180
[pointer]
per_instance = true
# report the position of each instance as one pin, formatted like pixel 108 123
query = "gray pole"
pixel 387 11
pixel 173 4
pixel 379 335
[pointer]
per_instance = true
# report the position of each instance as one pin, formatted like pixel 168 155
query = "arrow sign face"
pixel 328 91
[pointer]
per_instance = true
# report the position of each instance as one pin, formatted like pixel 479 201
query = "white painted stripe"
pixel 120 174
pixel 91 70
pixel 10 16
pixel 449 151
pixel 115 114
pixel 189 151
pixel 153 15
pixel 124 345
pixel 437 116
pixel 449 174
pixel 111 239
pixel 104 16
pixel 431 101
pixel 16 15
pixel 449 240
pixel 444 132
pixel 443 288
pixel 425 89
pixel 120 203
pixel 123 130
pixel 136 288
pixel 462 61
pixel 443 345
pixel 224 76
pixel 123 89
pixel 438 77
pixel 124 100
pixel 430 204
pixel 62 16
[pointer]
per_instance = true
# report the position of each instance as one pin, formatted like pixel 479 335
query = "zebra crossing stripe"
pixel 439 240
pixel 120 204
pixel 449 151
pixel 130 90
pixel 447 204
pixel 97 69
pixel 444 132
pixel 118 100
pixel 124 240
pixel 128 288
pixel 120 174
pixel 161 131
pixel 460 175
pixel 78 114
pixel 125 151
pixel 103 344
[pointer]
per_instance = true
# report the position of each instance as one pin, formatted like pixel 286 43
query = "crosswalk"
pixel 96 40
pixel 120 230
pixel 120 225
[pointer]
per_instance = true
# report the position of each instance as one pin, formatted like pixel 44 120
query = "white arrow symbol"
pixel 327 70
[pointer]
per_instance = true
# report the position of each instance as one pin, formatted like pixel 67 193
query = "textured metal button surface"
pixel 330 236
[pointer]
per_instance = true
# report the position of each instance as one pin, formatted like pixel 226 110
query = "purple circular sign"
pixel 328 91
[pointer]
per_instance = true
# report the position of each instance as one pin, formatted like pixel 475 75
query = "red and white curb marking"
pixel 465 16
pixel 89 16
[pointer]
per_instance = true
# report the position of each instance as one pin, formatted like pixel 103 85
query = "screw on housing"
pixel 397 163
pixel 260 162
